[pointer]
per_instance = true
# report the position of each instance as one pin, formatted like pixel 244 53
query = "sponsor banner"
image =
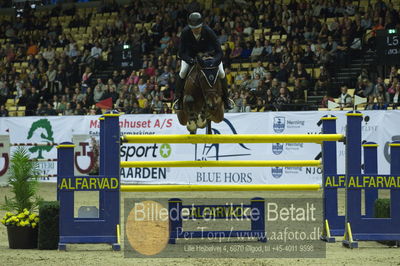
pixel 377 126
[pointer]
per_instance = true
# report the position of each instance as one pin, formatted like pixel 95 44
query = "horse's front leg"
pixel 191 124
pixel 202 119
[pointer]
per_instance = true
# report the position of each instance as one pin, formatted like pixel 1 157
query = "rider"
pixel 198 38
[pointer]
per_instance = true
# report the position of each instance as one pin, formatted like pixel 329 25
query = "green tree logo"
pixel 165 150
pixel 46 136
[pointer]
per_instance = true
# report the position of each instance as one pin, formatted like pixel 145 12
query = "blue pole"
pixel 330 193
pixel 370 168
pixel 175 219
pixel 65 169
pixel 258 222
pixel 353 168
pixel 395 171
pixel 111 143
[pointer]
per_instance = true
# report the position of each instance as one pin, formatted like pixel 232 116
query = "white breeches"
pixel 185 69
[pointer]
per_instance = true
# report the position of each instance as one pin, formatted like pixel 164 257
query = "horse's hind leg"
pixel 182 117
pixel 218 115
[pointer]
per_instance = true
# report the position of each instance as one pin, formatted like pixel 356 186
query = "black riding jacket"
pixel 208 43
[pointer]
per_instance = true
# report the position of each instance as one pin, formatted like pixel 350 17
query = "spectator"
pixel 100 85
pixel 111 84
pixel 393 74
pixel 51 77
pixel 298 98
pixel 269 101
pixel 164 41
pixel 257 51
pixel 282 100
pixel 223 37
pixel 116 77
pixel 324 58
pixel 303 23
pixel 259 70
pixel 267 49
pixel 3 111
pixel 343 51
pixel 165 109
pixel 309 56
pixel 135 108
pixel 396 97
pixel 32 102
pixel 111 93
pixel 87 75
pixel 41 110
pixel 236 52
pixel 96 51
pixel 365 89
pixel 275 88
pixel 62 106
pixel 98 94
pixel 255 83
pixel 150 70
pixel 324 101
pixel 79 110
pixel 246 52
pixel 345 100
pixel 260 105
pixel 156 104
pixel 163 78
pixel 80 94
pixel 33 49
pixel 380 104
pixel 282 75
pixel 301 74
pixel 50 110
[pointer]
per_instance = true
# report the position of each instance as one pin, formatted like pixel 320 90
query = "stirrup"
pixel 229 105
pixel 175 105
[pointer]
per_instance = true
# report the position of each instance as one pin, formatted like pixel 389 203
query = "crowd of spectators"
pixel 314 34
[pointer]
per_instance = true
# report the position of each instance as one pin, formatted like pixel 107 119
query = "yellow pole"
pixel 176 188
pixel 276 163
pixel 246 138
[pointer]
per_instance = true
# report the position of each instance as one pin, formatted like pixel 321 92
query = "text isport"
pixel 89 183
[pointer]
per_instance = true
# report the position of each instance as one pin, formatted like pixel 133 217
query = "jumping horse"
pixel 202 102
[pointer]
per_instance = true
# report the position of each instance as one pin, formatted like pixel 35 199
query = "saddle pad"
pixel 211 75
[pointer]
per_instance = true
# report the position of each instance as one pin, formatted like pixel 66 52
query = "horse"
pixel 202 101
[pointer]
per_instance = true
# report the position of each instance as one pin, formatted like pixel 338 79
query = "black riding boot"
pixel 178 93
pixel 225 94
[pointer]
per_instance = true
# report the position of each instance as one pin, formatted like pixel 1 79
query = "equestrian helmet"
pixel 195 20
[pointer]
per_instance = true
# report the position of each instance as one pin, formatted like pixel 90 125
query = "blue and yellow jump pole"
pixel 105 227
pixel 359 227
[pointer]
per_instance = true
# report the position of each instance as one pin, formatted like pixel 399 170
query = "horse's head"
pixel 209 83
pixel 212 96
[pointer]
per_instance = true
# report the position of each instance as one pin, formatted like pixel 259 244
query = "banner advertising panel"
pixel 378 126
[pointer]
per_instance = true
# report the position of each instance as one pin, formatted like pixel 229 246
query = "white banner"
pixel 378 126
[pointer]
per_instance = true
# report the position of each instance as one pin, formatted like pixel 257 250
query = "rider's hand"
pixel 200 61
pixel 192 61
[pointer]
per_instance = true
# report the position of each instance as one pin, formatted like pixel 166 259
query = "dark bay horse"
pixel 202 102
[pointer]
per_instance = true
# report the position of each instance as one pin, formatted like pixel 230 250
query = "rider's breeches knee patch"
pixel 221 72
pixel 185 69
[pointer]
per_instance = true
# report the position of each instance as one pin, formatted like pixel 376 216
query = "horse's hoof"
pixel 192 127
pixel 201 123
